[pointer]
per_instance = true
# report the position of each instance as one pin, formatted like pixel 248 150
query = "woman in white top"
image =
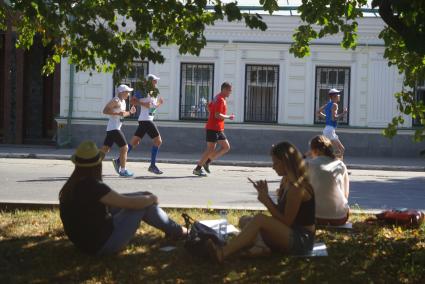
pixel 329 178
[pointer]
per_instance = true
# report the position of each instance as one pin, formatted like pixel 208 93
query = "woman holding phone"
pixel 290 228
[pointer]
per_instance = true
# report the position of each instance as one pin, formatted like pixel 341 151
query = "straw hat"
pixel 87 155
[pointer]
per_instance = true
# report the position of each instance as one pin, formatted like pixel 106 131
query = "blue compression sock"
pixel 154 152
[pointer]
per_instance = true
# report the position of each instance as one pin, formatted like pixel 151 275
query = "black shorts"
pixel 146 126
pixel 213 136
pixel 115 136
pixel 301 241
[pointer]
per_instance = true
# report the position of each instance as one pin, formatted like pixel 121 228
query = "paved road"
pixel 39 181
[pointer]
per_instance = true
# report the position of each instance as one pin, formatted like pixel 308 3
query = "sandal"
pixel 215 253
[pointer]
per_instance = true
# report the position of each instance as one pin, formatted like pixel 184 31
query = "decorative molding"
pixel 243 54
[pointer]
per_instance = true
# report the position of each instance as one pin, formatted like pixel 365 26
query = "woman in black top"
pixel 290 228
pixel 99 220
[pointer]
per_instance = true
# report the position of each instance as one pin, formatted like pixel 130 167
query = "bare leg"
pixel 207 153
pixel 224 148
pixel 340 149
pixel 276 232
pixel 123 156
pixel 105 149
pixel 157 141
pixel 135 141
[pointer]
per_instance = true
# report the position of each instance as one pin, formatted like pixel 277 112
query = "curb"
pixel 218 162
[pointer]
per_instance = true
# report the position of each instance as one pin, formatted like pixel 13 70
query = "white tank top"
pixel 114 122
pixel 147 114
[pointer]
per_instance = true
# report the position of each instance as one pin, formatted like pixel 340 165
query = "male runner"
pixel 149 105
pixel 215 130
pixel 331 115
pixel 116 109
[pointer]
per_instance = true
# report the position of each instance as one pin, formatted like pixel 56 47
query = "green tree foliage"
pixel 107 35
pixel 403 36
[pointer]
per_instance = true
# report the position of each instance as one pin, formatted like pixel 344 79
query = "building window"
pixel 261 89
pixel 196 90
pixel 328 78
pixel 419 97
pixel 140 70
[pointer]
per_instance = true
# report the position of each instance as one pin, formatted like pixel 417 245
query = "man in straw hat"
pixel 331 116
pixel 99 220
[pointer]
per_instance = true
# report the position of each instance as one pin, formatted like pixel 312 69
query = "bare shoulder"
pixel 114 101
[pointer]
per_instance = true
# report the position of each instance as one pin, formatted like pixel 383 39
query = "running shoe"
pixel 126 173
pixel 154 169
pixel 199 172
pixel 116 166
pixel 207 167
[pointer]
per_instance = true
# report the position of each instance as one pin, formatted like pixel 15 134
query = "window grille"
pixel 196 90
pixel 326 79
pixel 261 89
pixel 140 70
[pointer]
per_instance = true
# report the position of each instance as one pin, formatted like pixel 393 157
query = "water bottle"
pixel 223 224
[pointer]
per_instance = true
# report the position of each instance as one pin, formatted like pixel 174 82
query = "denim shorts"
pixel 301 240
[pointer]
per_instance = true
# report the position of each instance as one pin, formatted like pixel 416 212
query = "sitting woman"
pixel 99 220
pixel 290 228
pixel 329 178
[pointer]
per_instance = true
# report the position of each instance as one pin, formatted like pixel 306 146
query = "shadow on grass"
pixel 361 256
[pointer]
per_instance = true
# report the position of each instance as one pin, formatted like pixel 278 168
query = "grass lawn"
pixel 34 249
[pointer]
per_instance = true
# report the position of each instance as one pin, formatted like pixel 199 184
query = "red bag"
pixel 401 217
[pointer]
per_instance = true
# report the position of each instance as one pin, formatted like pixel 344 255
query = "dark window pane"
pixel 189 73
pixel 261 99
pixel 262 76
pixel 270 77
pixel 323 77
pixel 197 73
pixel 253 76
pixel 341 77
pixel 205 74
pixel 332 77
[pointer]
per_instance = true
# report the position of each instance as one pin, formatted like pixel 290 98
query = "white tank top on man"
pixel 328 178
pixel 114 122
pixel 147 114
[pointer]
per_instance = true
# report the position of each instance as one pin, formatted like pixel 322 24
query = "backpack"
pixel 401 217
pixel 198 236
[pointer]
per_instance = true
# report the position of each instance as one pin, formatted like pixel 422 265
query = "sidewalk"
pixel 363 163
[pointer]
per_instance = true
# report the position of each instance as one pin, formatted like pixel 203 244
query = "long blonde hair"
pixel 79 173
pixel 294 164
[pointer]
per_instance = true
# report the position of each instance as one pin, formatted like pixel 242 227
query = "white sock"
pixel 122 169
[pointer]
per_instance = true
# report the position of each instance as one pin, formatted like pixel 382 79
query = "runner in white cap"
pixel 116 109
pixel 331 115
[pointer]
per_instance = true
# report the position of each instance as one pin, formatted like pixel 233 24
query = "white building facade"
pixel 275 95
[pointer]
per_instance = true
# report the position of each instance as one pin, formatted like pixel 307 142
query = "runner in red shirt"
pixel 215 130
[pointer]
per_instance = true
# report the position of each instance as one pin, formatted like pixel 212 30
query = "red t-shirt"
pixel 218 104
